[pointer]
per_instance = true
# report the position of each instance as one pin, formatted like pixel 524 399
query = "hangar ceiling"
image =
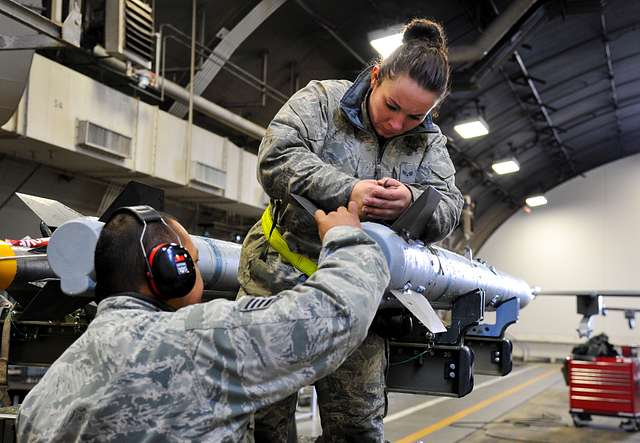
pixel 560 91
pixel 558 83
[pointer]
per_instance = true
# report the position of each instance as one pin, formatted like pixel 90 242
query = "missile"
pixel 442 276
pixel 435 274
pixel 70 257
pixel 423 278
pixel 20 266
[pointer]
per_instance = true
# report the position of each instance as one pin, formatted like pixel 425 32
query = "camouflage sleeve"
pixel 260 349
pixel 289 155
pixel 440 174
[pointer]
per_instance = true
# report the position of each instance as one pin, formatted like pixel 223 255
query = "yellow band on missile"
pixel 8 268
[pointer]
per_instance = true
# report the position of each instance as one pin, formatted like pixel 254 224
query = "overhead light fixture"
pixel 506 166
pixel 536 200
pixel 386 41
pixel 472 127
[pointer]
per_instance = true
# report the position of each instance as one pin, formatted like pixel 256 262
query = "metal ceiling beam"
pixel 545 112
pixel 329 28
pixel 599 111
pixel 520 125
pixel 496 130
pixel 50 33
pixel 464 160
pixel 597 114
pixel 211 67
pixel 533 175
pixel 613 35
pixel 525 107
pixel 610 72
pixel 30 19
pixel 599 128
pixel 500 26
pixel 597 68
pixel 603 144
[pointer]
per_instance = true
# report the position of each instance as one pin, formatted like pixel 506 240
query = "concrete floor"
pixel 528 405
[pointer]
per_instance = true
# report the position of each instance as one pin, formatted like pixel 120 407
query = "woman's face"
pixel 397 105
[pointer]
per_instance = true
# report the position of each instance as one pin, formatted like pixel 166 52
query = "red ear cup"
pixel 173 272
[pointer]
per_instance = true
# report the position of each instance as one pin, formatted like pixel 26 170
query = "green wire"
pixel 409 359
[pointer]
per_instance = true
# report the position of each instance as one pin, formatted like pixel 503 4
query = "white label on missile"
pixel 421 308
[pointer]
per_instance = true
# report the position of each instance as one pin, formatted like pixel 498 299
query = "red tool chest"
pixel 605 386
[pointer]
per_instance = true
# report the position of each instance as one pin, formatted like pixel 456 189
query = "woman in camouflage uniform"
pixel 372 141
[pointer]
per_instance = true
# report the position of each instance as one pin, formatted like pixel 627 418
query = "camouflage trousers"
pixel 352 400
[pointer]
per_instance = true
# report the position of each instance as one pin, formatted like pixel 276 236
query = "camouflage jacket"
pixel 319 145
pixel 197 374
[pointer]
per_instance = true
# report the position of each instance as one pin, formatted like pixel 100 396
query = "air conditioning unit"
pixel 94 137
pixel 129 31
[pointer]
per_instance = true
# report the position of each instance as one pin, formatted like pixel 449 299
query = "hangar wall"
pixel 587 237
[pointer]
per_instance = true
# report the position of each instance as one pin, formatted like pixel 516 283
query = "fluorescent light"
pixel 386 40
pixel 536 200
pixel 472 128
pixel 386 45
pixel 506 166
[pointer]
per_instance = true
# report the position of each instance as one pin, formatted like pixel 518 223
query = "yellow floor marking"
pixel 471 409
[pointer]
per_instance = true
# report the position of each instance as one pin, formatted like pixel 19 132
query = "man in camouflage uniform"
pixel 320 145
pixel 145 372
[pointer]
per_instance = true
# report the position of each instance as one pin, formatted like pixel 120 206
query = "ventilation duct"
pixel 501 25
pixel 14 69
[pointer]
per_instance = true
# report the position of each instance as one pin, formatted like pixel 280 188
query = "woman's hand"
pixel 363 190
pixel 387 200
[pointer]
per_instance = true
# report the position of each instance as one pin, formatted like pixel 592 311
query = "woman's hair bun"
pixel 425 30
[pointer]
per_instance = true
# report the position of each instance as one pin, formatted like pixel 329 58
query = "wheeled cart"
pixel 607 386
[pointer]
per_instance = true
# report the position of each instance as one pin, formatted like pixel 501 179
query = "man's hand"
pixel 388 200
pixel 340 217
pixel 361 191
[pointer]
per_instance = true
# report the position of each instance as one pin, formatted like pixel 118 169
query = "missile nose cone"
pixel 8 266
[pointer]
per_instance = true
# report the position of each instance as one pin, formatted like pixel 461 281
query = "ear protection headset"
pixel 171 272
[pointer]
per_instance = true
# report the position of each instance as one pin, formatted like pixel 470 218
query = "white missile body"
pixel 439 275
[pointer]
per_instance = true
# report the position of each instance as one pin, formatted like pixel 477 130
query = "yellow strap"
pixel 271 233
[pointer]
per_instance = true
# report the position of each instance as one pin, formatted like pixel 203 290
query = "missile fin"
pixel 306 204
pixel 51 212
pixel 134 194
pixel 421 308
pixel 411 223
